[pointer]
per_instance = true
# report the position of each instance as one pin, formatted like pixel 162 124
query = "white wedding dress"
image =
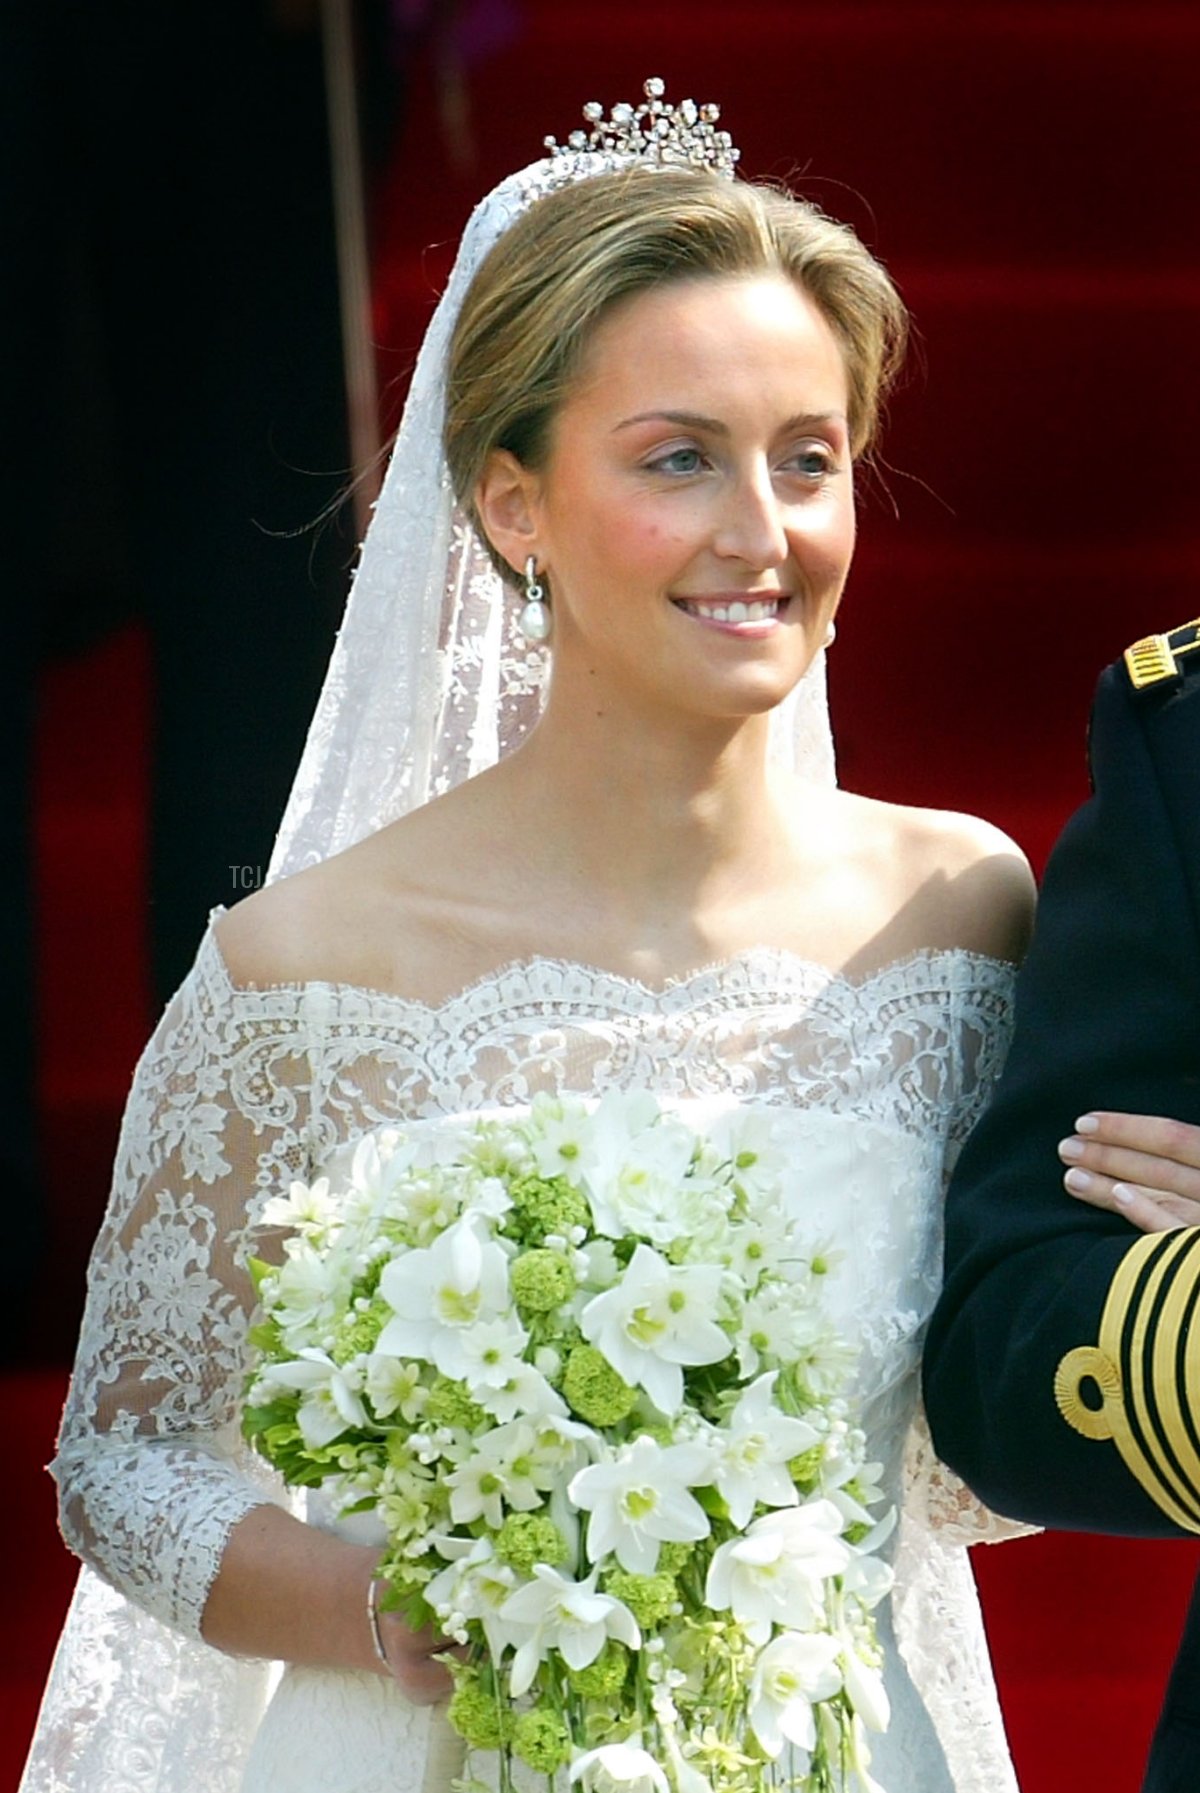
pixel 876 1082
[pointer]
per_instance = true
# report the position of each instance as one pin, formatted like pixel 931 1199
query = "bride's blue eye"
pixel 814 462
pixel 677 460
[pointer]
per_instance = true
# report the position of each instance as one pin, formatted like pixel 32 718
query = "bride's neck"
pixel 667 807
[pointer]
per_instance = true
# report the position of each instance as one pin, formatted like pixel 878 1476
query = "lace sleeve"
pixel 151 1472
pixel 935 1498
pixel 940 1501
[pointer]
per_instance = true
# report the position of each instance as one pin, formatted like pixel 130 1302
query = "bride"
pixel 651 383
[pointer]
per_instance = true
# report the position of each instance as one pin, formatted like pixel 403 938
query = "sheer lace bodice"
pixel 241 1089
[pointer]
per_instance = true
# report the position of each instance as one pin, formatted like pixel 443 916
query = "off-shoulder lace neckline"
pixel 752 968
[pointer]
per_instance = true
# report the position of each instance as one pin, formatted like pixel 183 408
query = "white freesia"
pixel 638 1499
pixel 843 1469
pixel 382 1159
pixel 776 1325
pixel 635 1171
pixel 753 1451
pixel 307 1207
pixel 790 1675
pixel 331 1401
pixel 747 1138
pixel 308 1292
pixel 867 1577
pixel 394 1387
pixel 618 1768
pixel 525 1392
pixel 474 1586
pixel 491 1352
pixel 657 1318
pixel 776 1573
pixel 561 1136
pixel 440 1292
pixel 506 1468
pixel 557 1613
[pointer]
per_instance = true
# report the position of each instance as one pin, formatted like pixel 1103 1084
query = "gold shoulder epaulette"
pixel 1142 1377
pixel 1154 660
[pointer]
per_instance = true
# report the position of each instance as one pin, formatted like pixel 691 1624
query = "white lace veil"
pixel 430 681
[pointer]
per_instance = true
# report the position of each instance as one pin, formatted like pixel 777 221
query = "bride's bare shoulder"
pixel 293 931
pixel 363 917
pixel 958 880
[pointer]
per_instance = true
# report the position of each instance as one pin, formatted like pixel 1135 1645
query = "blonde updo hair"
pixel 538 295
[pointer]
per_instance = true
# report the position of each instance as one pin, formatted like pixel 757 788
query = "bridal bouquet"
pixel 579 1365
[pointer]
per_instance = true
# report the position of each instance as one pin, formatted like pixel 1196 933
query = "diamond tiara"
pixel 655 133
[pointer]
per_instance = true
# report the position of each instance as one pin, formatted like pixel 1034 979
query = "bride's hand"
pixel 1138 1165
pixel 411 1655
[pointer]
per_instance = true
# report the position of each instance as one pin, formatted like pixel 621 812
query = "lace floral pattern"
pixel 242 1089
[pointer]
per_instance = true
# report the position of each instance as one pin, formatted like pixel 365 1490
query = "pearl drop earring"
pixel 534 621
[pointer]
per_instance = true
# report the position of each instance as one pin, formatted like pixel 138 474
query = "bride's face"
pixel 696 511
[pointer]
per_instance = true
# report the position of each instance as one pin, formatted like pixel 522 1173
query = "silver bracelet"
pixel 373 1619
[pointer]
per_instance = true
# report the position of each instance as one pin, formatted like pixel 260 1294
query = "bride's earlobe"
pixel 504 502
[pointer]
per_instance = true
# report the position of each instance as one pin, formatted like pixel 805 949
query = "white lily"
pixel 638 1499
pixel 753 1452
pixel 439 1293
pixel 657 1318
pixel 557 1613
pixel 790 1675
pixel 775 1574
pixel 618 1768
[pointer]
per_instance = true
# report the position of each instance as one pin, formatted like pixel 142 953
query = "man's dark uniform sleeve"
pixel 1062 1368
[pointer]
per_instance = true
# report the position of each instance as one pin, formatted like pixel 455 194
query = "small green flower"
pixel 528 1538
pixel 595 1390
pixel 804 1469
pixel 604 1678
pixel 479 1717
pixel 673 1557
pixel 449 1404
pixel 359 1332
pixel 541 1280
pixel 543 1740
pixel 650 1598
pixel 546 1205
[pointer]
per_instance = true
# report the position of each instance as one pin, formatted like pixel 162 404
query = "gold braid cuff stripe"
pixel 1145 1371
